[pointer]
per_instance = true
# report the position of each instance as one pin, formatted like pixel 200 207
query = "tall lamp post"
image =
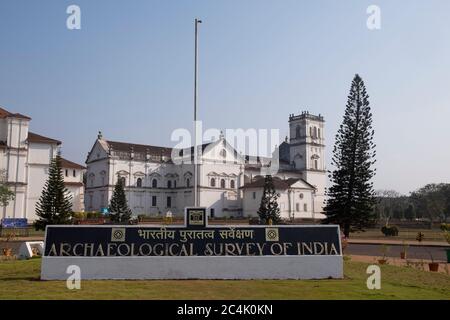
pixel 196 193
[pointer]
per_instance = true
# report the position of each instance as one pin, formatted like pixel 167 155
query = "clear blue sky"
pixel 129 72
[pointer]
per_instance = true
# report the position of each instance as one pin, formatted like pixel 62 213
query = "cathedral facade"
pixel 25 159
pixel 229 184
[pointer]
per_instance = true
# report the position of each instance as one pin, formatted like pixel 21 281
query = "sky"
pixel 128 72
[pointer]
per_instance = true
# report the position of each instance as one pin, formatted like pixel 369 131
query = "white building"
pixel 24 160
pixel 229 184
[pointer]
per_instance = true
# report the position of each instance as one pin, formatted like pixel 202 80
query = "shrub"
pixel 447 236
pixel 141 217
pixel 390 231
pixel 94 215
pixel 420 236
pixel 445 227
pixel 79 215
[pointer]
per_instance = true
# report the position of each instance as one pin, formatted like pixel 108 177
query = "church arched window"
pixel 154 183
pixel 169 184
pixel 139 182
pixel 222 183
pixel 232 184
pixel 213 182
pixel 123 181
pixel 188 182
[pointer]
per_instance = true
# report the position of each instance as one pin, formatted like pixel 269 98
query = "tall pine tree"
pixel 351 197
pixel 55 204
pixel 268 209
pixel 118 207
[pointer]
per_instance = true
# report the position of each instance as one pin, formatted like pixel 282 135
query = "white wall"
pixel 289 202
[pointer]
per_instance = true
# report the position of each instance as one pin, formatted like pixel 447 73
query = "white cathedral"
pixel 229 184
pixel 24 163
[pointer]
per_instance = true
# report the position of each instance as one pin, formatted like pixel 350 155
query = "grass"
pixel 20 280
pixel 403 234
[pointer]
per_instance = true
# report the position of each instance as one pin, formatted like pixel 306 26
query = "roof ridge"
pixel 40 138
pixel 71 164
pixel 5 113
pixel 138 144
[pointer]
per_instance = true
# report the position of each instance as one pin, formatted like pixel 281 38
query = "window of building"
pixel 153 201
pixel 316 164
pixel 213 182
pixel 139 182
pixel 188 182
pixel 222 183
pixel 169 184
pixel 297 132
pixel 232 184
pixel 74 173
pixel 301 195
pixel 254 195
pixel 211 212
pixel 102 199
pixel 169 202
pixel 174 183
pixel 123 181
pixel 318 132
pixel 297 207
pixel 67 173
pixel 305 207
pixel 103 180
pixel 154 183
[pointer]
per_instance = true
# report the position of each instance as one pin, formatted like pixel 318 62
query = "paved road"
pixel 413 252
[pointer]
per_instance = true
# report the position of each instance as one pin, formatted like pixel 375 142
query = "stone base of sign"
pixel 26 249
pixel 196 267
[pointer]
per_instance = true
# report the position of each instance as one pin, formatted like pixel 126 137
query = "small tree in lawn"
pixel 118 207
pixel 55 204
pixel 351 197
pixel 269 210
pixel 6 195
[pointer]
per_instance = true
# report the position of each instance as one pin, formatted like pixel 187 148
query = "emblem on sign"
pixel 272 234
pixel 117 234
pixel 196 217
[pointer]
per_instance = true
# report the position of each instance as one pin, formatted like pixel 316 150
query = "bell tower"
pixel 307 151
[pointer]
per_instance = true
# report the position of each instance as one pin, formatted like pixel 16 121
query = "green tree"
pixel 351 197
pixel 410 213
pixel 269 209
pixel 55 204
pixel 118 207
pixel 6 195
pixel 432 201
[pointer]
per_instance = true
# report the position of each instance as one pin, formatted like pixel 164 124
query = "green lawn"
pixel 20 280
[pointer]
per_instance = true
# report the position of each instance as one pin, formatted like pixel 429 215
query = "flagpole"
pixel 196 195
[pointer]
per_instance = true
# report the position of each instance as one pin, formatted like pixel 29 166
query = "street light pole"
pixel 196 195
